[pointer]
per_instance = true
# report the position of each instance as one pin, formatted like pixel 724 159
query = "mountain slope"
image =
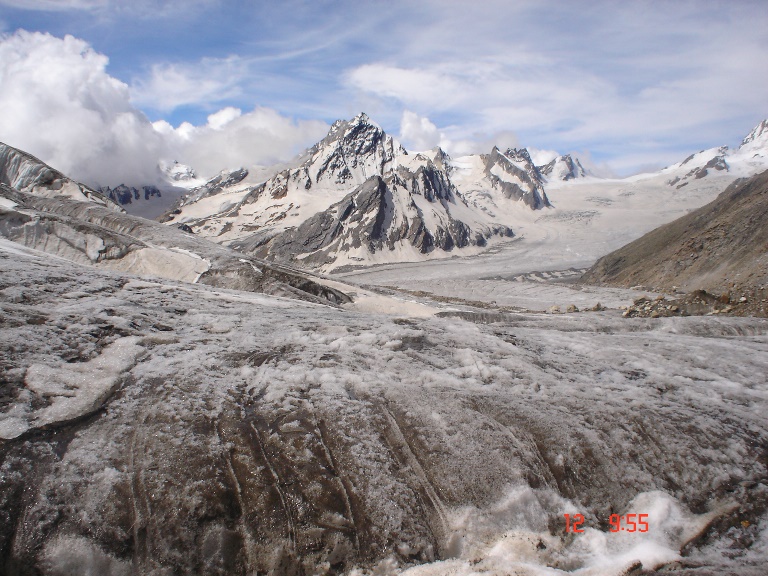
pixel 24 172
pixel 719 246
pixel 312 204
pixel 42 209
pixel 402 217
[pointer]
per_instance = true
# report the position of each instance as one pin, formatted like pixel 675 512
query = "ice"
pixel 225 432
pixel 71 391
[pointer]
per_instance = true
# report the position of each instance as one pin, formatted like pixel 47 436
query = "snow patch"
pixel 71 390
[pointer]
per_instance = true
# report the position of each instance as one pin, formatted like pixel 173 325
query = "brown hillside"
pixel 721 248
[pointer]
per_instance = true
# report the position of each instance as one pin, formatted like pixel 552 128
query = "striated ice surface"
pixel 151 427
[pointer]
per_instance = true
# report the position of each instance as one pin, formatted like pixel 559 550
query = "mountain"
pixel 748 159
pixel 563 168
pixel 322 210
pixel 338 190
pixel 123 194
pixel 405 215
pixel 26 173
pixel 177 172
pixel 44 210
pixel 350 153
pixel 757 139
pixel 721 247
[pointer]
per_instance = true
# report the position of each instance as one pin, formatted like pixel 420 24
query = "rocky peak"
pixel 178 172
pixel 123 194
pixel 514 173
pixel 519 155
pixel 758 136
pixel 353 150
pixel 563 168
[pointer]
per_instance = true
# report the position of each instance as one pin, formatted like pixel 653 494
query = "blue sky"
pixel 629 85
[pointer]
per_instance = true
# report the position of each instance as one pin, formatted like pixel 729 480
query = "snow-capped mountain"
pixel 26 173
pixel 356 176
pixel 180 173
pixel 563 168
pixel 757 139
pixel 318 201
pixel 748 159
pixel 697 166
pixel 228 209
pixel 405 215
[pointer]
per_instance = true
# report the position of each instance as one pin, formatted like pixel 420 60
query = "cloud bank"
pixel 60 104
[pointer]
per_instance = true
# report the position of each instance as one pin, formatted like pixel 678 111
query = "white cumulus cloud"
pixel 60 104
pixel 417 132
pixel 232 139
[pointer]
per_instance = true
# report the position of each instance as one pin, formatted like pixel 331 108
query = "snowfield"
pixel 151 426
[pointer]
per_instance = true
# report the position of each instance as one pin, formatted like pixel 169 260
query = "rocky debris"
pixel 571 308
pixel 721 247
pixel 697 303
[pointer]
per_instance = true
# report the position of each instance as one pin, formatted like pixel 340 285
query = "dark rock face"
pixel 378 216
pixel 518 164
pixel 715 248
pixel 123 194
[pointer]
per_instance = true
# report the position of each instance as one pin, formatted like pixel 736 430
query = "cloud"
pixel 206 82
pixel 630 81
pixel 231 139
pixel 418 133
pixel 218 120
pixel 541 157
pixel 61 105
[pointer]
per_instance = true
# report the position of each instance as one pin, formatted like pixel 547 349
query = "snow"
pixel 7 203
pixel 512 537
pixel 162 262
pixel 395 435
pixel 72 391
pixel 459 439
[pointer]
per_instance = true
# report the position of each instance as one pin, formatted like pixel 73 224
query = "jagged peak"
pixel 519 154
pixel 758 134
pixel 573 165
pixel 363 118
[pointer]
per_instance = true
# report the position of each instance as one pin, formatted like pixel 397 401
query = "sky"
pixel 103 89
